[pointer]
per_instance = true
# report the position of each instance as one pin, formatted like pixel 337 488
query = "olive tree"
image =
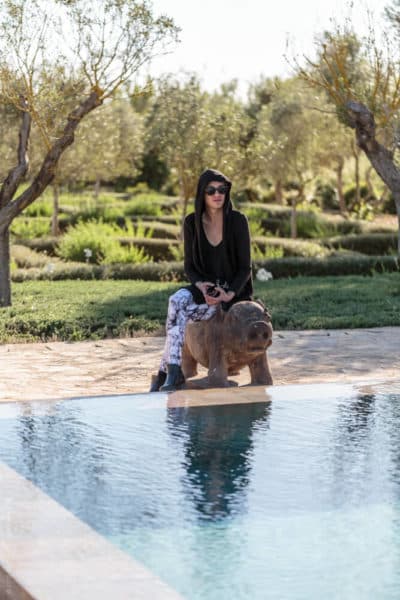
pixel 109 143
pixel 286 142
pixel 178 130
pixel 366 93
pixel 93 49
pixel 192 129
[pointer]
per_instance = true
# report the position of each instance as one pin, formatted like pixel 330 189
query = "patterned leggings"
pixel 181 310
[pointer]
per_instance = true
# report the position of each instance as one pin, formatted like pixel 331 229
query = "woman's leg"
pixel 181 309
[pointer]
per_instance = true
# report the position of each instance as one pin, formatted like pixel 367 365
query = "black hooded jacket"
pixel 236 258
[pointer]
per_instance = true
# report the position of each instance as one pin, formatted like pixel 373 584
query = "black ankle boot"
pixel 174 379
pixel 157 381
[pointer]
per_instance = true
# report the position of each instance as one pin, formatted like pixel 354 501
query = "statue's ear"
pixel 260 302
pixel 265 309
pixel 219 314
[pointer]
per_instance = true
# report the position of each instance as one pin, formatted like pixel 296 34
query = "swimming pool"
pixel 293 493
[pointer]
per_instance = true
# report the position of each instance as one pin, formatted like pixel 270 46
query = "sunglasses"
pixel 222 189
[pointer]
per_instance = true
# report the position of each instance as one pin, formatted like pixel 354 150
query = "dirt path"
pixel 121 366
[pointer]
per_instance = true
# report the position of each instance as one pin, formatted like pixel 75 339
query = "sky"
pixel 223 40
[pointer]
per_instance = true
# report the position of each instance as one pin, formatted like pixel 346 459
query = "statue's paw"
pixel 221 383
pixel 262 382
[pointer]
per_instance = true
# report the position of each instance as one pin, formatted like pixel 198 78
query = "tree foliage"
pixel 361 77
pixel 92 52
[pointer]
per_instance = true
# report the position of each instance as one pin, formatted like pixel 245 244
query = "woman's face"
pixel 216 199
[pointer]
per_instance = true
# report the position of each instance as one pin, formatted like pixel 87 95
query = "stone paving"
pixel 120 366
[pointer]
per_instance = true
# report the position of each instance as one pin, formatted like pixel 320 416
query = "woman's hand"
pixel 219 295
pixel 203 285
pixel 222 296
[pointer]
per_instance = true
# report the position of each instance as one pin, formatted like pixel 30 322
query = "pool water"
pixel 293 498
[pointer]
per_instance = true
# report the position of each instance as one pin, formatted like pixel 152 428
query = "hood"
pixel 205 178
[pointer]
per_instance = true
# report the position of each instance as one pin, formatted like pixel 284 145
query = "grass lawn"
pixel 79 310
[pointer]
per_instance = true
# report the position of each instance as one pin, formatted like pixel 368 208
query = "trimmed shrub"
pixel 310 224
pixel 290 247
pixel 326 196
pixel 159 230
pixel 248 194
pixel 162 271
pixel 172 219
pixel 389 205
pixel 173 271
pixel 151 203
pixel 42 207
pixel 350 194
pixel 47 245
pixel 33 227
pixel 98 243
pixel 371 244
pixel 373 227
pixel 268 251
pixel 360 265
pixel 26 258
pixel 158 249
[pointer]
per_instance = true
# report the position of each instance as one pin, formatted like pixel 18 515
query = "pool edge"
pixel 46 552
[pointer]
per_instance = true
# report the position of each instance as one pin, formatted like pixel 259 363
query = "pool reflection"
pixel 217 454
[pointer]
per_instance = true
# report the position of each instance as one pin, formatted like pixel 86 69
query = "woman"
pixel 217 263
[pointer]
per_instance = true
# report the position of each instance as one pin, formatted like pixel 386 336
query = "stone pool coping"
pixel 46 553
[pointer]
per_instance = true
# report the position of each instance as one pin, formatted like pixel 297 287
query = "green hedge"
pixel 371 244
pixel 171 219
pixel 290 247
pixel 161 271
pixel 275 218
pixel 26 258
pixel 160 230
pixel 346 265
pixel 155 247
pixel 158 249
pixel 47 245
pixel 173 271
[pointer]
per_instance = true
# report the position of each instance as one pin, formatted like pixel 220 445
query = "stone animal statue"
pixel 228 342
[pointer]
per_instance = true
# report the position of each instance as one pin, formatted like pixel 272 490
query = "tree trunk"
pixel 384 195
pixel 278 192
pixel 362 120
pixel 371 191
pixel 396 197
pixel 9 208
pixel 339 183
pixel 55 230
pixel 357 199
pixel 186 193
pixel 293 219
pixel 357 179
pixel 48 167
pixel 5 279
pixel 96 189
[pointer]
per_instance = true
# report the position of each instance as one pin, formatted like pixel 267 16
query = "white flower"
pixel 87 252
pixel 49 267
pixel 263 275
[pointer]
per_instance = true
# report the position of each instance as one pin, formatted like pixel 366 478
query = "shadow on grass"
pixel 81 310
pixel 126 315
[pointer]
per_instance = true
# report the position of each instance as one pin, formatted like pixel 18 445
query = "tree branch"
pixel 362 121
pixel 47 171
pixel 16 174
